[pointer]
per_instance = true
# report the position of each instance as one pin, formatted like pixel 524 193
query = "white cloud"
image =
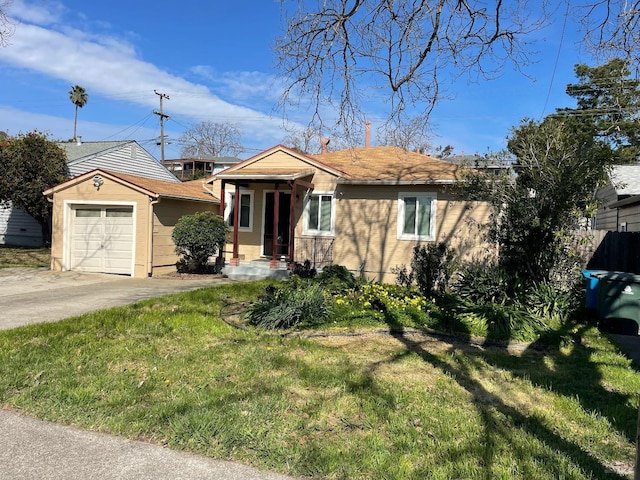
pixel 47 13
pixel 107 65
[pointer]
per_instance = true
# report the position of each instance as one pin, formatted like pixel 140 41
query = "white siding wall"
pixel 606 218
pixel 18 228
pixel 631 216
pixel 129 158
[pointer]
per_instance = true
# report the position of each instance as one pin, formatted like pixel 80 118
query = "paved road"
pixel 32 449
pixel 30 295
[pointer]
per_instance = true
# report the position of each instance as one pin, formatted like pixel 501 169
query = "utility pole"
pixel 162 117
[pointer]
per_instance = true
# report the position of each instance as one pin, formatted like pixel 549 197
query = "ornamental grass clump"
pixel 292 304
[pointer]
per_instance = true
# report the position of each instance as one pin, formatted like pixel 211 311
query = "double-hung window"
pixel 245 215
pixel 319 214
pixel 416 216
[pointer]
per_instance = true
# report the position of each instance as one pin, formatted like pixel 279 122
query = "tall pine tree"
pixel 608 106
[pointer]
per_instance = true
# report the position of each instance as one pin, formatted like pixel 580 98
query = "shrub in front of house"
pixel 337 278
pixel 304 270
pixel 198 237
pixel 490 302
pixel 432 267
pixel 290 304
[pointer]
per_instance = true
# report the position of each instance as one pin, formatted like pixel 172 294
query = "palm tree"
pixel 79 98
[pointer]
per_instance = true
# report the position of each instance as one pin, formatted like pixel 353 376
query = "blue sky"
pixel 215 61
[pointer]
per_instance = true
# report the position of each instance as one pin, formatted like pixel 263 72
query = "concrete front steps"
pixel 256 270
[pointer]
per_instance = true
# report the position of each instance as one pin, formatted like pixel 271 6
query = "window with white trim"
pixel 416 216
pixel 245 217
pixel 319 214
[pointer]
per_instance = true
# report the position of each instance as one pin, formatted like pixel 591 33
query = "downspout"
pixel 150 241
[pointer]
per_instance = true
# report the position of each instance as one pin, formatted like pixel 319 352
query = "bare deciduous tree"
pixel 410 135
pixel 211 139
pixel 612 28
pixel 343 51
pixel 6 25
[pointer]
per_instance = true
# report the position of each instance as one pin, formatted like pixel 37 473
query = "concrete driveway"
pixel 31 295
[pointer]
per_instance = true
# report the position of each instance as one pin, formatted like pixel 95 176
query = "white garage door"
pixel 102 239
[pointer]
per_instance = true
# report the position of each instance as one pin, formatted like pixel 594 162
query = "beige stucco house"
pixel 364 208
pixel 112 222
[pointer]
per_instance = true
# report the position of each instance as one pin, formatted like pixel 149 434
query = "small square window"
pixel 416 216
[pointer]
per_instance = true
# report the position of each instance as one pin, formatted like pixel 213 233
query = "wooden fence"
pixel 617 251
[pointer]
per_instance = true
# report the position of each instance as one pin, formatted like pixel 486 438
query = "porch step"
pixel 255 270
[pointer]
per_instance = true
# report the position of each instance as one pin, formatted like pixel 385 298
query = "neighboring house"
pixel 477 162
pixel 18 228
pixel 184 168
pixel 620 198
pixel 364 208
pixel 111 222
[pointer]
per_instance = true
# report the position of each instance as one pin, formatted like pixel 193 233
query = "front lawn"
pixel 364 404
pixel 24 257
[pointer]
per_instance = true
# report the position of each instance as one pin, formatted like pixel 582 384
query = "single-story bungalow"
pixel 112 222
pixel 364 208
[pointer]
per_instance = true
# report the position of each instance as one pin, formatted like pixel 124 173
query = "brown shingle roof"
pixel 188 190
pixel 389 165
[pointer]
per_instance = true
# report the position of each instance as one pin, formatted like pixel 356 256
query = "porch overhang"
pixel 286 178
pixel 262 175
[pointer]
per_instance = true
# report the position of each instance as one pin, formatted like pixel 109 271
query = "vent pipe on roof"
pixel 323 145
pixel 78 140
pixel 367 134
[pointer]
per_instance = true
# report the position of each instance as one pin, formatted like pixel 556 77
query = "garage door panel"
pixel 102 239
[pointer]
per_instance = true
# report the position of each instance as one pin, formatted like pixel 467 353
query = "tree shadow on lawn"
pixel 491 408
pixel 574 375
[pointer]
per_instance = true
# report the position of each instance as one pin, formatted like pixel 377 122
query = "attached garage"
pixel 110 222
pixel 102 239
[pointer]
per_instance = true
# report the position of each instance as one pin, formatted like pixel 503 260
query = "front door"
pixel 282 234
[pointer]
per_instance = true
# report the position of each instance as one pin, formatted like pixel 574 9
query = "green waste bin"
pixel 619 301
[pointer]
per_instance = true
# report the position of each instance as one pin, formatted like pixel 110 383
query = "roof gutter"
pixel 346 181
pixel 214 199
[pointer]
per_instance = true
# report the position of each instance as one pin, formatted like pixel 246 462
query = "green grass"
pixel 357 406
pixel 24 257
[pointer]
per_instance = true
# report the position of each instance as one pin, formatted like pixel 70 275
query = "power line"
pixel 555 66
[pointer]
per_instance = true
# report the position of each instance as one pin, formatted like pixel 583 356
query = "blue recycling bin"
pixel 592 278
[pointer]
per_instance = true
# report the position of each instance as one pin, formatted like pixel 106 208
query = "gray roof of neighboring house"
pixel 477 161
pixel 125 156
pixel 626 179
pixel 76 150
